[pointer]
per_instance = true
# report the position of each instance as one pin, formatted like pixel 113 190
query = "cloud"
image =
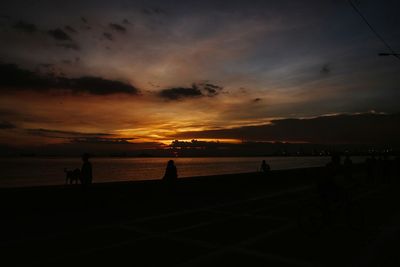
pixel 5 17
pixel 99 86
pixel 197 90
pixel 364 128
pixel 46 65
pixel 12 77
pixel 25 26
pixel 179 93
pixel 211 89
pixel 255 100
pixel 102 140
pixel 70 46
pixel 70 29
pixel 126 21
pixel 153 11
pixel 79 137
pixel 59 35
pixel 64 134
pixel 326 69
pixel 4 125
pixel 117 27
pixel 108 36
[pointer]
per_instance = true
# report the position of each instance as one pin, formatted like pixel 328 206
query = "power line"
pixel 373 30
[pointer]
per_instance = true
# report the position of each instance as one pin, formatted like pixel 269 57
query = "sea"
pixel 37 171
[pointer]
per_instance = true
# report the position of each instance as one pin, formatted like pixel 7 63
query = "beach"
pixel 226 220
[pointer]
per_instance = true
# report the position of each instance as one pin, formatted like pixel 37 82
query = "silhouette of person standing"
pixel 386 169
pixel 371 168
pixel 265 168
pixel 328 188
pixel 348 167
pixel 86 171
pixel 171 174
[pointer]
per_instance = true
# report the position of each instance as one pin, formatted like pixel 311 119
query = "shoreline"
pixel 48 172
pixel 209 178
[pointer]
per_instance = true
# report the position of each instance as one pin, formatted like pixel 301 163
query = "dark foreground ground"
pixel 231 220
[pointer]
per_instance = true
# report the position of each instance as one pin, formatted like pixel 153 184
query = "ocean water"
pixel 15 172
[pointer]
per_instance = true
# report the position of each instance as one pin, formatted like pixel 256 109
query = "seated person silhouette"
pixel 265 168
pixel 171 174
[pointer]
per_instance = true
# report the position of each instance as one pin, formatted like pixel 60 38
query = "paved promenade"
pixel 252 221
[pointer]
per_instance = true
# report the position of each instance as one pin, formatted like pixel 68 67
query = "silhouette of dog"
pixel 72 176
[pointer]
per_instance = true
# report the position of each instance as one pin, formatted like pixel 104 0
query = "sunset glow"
pixel 151 73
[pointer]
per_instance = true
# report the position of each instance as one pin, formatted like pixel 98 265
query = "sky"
pixel 145 73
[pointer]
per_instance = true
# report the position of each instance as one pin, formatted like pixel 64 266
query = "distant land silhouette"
pixel 197 148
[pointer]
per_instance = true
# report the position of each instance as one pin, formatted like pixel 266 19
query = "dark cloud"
pixel 197 90
pixel 46 65
pixel 326 69
pixel 59 35
pixel 211 89
pixel 25 26
pixel 5 17
pixel 84 20
pixel 180 93
pixel 366 128
pixel 70 46
pixel 80 137
pixel 102 140
pixel 108 36
pixel 117 27
pixel 126 21
pixel 4 125
pixel 255 100
pixel 12 77
pixel 153 11
pixel 154 85
pixel 70 29
pixel 100 86
pixel 64 134
pixel 147 11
